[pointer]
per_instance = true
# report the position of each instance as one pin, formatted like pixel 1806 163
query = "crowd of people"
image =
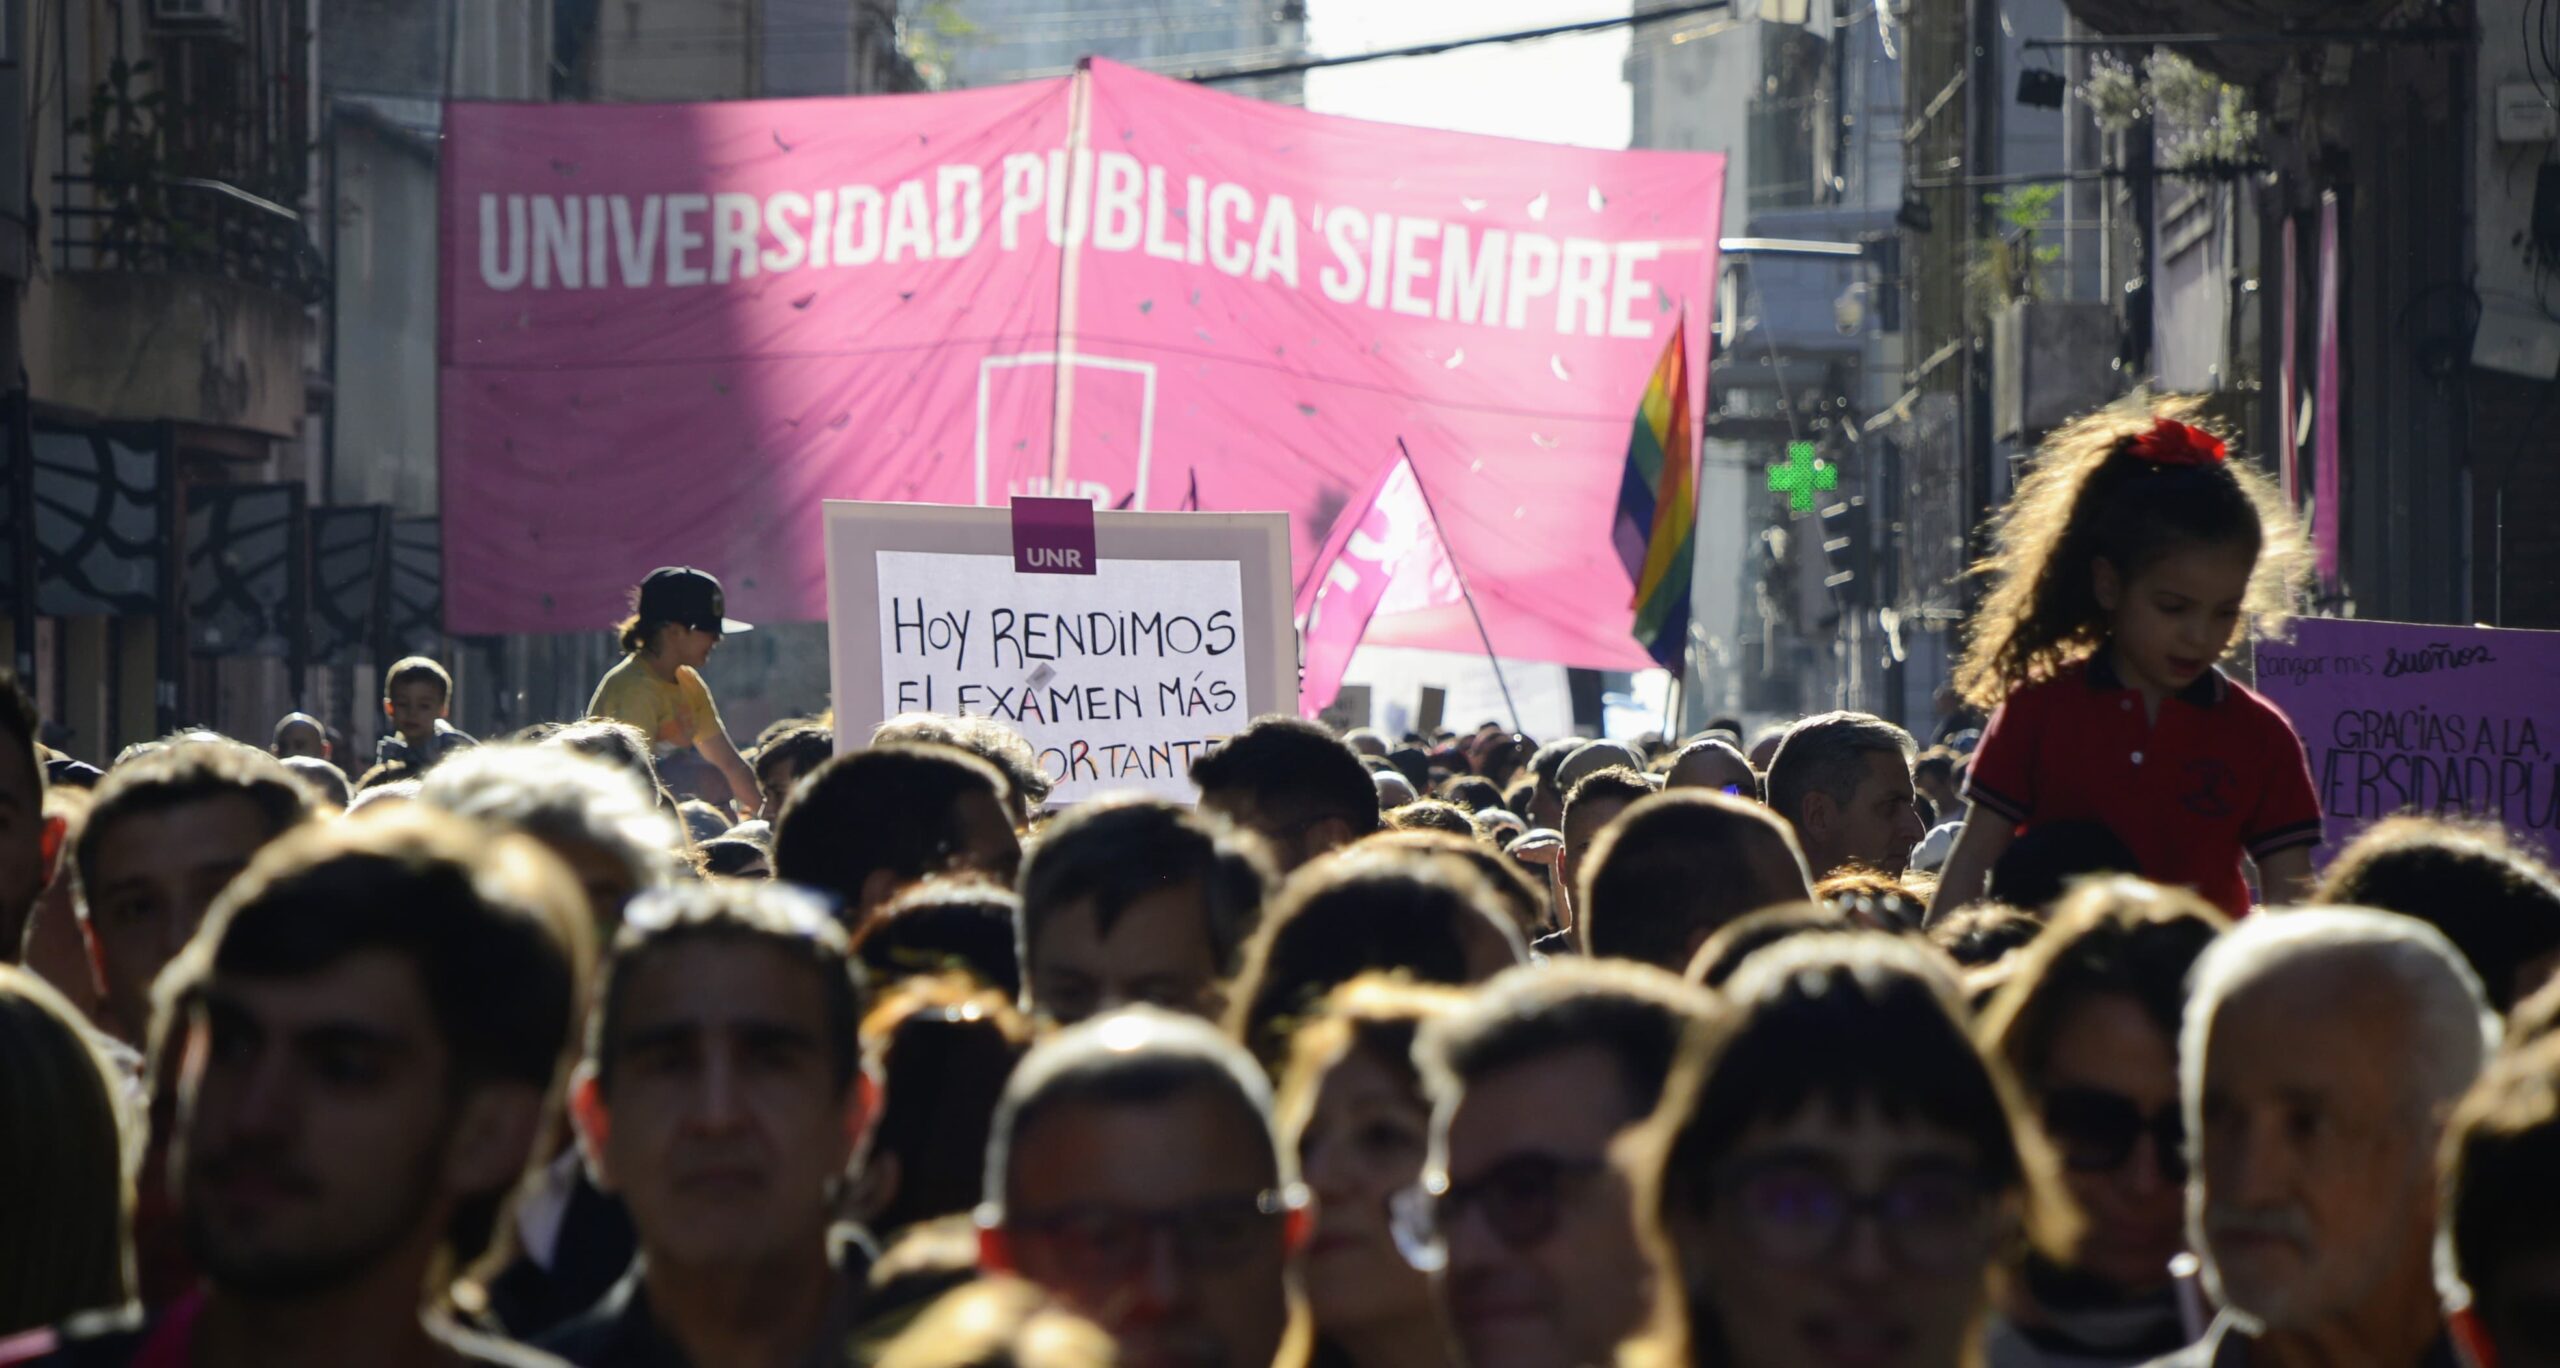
pixel 612 1043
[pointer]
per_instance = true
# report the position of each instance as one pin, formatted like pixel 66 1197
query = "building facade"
pixel 221 488
pixel 2321 216
pixel 989 42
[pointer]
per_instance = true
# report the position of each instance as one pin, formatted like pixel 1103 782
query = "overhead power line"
pixel 1222 75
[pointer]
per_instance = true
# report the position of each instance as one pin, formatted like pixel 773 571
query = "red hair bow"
pixel 2172 443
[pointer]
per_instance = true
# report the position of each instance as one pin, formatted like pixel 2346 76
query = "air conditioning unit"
pixel 196 15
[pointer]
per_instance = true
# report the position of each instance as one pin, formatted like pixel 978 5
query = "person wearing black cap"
pixel 677 621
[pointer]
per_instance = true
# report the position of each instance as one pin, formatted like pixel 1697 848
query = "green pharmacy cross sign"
pixel 1801 475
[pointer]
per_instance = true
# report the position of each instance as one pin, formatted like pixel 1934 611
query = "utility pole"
pixel 1982 93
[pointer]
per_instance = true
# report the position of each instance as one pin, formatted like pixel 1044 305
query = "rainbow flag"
pixel 1656 531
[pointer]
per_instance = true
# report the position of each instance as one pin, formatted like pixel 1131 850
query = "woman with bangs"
pixel 1836 1174
pixel 2089 1023
pixel 1351 1103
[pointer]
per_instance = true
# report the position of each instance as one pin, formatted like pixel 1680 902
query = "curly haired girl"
pixel 2129 561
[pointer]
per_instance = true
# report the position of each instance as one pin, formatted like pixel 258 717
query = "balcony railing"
pixel 185 225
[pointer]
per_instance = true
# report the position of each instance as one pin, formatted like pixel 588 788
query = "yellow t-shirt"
pixel 673 713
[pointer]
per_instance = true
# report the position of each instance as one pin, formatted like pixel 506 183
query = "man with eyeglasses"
pixel 1528 1229
pixel 723 1099
pixel 1133 1171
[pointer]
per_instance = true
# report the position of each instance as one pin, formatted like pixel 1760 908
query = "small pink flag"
pixel 1387 539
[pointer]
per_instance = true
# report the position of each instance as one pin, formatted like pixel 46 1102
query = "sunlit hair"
pixel 1433 814
pixel 1982 935
pixel 181 773
pixel 1376 1015
pixel 2450 1032
pixel 2087 497
pixel 2117 936
pixel 559 794
pixel 1726 951
pixel 953 924
pixel 618 744
pixel 1131 1057
pixel 1364 910
pixel 2497 903
pixel 64 1138
pixel 1871 897
pixel 1526 899
pixel 1027 785
pixel 1635 1014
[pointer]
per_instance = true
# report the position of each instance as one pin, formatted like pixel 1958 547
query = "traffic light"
pixel 1848 549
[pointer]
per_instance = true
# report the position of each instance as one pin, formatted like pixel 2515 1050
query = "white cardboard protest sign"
pixel 1119 678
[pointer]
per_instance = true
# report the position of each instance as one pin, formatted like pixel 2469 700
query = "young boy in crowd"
pixel 417 698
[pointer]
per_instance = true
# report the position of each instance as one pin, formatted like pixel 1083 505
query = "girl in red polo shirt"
pixel 2126 565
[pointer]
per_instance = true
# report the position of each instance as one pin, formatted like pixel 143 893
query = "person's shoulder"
pixel 2028 708
pixel 628 679
pixel 2069 682
pixel 488 1351
pixel 2259 713
pixel 2250 701
pixel 619 674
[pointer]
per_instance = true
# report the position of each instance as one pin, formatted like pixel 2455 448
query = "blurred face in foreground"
pixel 1544 1269
pixel 322 1133
pixel 1835 1239
pixel 2109 1100
pixel 2317 1192
pixel 1156 952
pixel 157 872
pixel 723 1126
pixel 1150 1218
pixel 1364 1142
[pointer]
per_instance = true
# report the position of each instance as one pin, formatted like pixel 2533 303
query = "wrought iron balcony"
pixel 185 225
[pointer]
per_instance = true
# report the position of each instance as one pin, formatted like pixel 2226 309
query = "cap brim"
pixel 731 626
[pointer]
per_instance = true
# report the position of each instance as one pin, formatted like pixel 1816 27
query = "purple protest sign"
pixel 1053 537
pixel 2402 717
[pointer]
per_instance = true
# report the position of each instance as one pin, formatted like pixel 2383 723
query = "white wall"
pixel 1396 677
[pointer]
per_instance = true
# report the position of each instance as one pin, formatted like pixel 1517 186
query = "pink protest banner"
pixel 671 331
pixel 2445 721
